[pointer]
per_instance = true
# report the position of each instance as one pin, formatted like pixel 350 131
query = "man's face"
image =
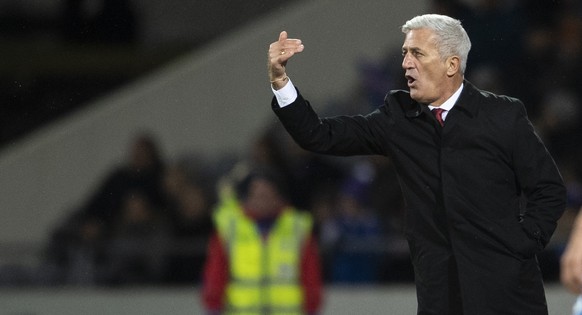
pixel 425 71
pixel 263 198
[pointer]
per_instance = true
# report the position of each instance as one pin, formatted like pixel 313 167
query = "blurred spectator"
pixel 560 111
pixel 143 171
pixel 356 234
pixel 191 225
pixel 496 29
pixel 76 253
pixel 310 174
pixel 137 246
pixel 79 251
pixel 263 259
pixel 269 148
pixel 560 122
pixel 323 209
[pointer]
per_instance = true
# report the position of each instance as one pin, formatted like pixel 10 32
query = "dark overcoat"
pixel 483 194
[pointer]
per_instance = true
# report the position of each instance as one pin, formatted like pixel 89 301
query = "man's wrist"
pixel 279 83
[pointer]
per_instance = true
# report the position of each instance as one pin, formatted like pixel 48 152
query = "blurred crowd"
pixel 145 219
pixel 150 220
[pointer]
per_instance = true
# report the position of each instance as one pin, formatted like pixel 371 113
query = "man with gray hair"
pixel 482 193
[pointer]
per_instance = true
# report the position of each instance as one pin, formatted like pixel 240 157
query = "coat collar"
pixel 467 101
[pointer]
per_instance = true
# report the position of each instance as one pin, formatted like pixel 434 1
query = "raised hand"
pixel 279 53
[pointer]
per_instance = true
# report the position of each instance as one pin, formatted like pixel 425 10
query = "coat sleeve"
pixel 340 135
pixel 215 276
pixel 540 181
pixel 311 279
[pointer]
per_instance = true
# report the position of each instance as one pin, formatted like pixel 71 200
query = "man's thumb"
pixel 283 36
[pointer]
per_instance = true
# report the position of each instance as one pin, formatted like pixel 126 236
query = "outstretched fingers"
pixel 289 46
pixel 284 48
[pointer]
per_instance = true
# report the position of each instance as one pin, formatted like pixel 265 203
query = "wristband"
pixel 280 79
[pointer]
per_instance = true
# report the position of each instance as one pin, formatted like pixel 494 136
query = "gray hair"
pixel 452 39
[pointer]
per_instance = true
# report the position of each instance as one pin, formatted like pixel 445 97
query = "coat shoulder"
pixel 498 98
pixel 498 102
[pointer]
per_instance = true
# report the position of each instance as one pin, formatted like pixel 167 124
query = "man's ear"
pixel 453 65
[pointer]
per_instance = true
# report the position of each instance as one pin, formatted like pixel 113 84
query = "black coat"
pixel 482 193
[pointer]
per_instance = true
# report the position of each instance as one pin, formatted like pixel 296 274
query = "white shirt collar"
pixel 448 104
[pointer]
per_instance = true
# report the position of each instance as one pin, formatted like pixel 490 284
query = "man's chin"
pixel 419 99
pixel 414 94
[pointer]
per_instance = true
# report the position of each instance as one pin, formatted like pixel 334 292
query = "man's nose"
pixel 407 62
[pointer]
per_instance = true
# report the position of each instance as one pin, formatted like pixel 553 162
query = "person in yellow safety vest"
pixel 263 258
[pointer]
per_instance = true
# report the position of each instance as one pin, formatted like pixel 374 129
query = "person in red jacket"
pixel 260 201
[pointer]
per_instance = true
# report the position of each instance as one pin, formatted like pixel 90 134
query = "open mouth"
pixel 410 79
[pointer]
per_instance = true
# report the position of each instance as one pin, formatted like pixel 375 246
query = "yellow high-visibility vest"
pixel 264 273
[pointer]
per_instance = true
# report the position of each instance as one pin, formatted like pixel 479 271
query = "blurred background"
pixel 119 120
